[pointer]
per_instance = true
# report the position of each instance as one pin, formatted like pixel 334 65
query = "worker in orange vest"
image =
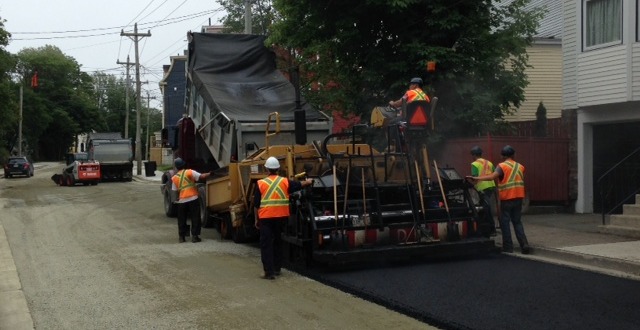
pixel 185 183
pixel 511 193
pixel 271 203
pixel 415 93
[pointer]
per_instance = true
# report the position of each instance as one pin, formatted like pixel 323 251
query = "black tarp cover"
pixel 236 74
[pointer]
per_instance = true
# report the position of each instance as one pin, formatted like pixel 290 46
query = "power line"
pixel 157 23
pixel 140 13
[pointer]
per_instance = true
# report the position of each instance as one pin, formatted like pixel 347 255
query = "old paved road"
pixel 106 257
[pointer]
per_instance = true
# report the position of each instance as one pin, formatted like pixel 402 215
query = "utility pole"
pixel 126 98
pixel 20 125
pixel 135 36
pixel 247 16
pixel 148 129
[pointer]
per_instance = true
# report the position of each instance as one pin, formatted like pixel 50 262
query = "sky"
pixel 89 31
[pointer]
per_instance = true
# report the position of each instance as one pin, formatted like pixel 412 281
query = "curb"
pixel 14 310
pixel 595 263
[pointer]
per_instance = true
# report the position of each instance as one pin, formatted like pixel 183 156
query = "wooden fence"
pixel 546 162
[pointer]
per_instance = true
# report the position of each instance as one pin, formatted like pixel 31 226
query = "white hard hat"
pixel 272 163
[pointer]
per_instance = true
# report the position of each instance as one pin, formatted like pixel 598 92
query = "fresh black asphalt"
pixel 495 291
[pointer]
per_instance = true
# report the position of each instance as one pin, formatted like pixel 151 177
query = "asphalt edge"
pixel 14 310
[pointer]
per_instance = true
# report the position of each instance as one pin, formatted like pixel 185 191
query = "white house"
pixel 601 86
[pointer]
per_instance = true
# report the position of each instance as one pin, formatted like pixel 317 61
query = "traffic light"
pixel 34 79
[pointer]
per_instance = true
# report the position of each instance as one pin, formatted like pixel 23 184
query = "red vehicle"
pixel 79 169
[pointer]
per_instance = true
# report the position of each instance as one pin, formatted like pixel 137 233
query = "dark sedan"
pixel 18 166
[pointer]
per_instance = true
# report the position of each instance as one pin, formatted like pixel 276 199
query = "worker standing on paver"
pixel 511 192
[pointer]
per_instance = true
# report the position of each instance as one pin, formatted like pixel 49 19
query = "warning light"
pixel 431 66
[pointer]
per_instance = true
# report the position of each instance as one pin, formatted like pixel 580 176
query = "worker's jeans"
pixel 486 197
pixel 271 244
pixel 510 212
pixel 189 209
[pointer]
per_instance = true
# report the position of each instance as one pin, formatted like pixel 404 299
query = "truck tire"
pixel 238 234
pixel 205 217
pixel 169 208
pixel 70 181
pixel 225 226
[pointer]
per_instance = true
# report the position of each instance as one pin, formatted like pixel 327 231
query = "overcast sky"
pixel 89 31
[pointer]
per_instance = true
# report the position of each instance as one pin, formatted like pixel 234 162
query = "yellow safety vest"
pixel 483 167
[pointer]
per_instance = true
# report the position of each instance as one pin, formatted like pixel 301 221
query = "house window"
pixel 602 23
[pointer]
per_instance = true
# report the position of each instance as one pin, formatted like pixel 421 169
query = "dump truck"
pixel 232 87
pixel 114 154
pixel 79 169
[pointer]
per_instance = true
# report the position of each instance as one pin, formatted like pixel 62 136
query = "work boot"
pixel 525 249
pixel 268 276
pixel 196 239
pixel 181 239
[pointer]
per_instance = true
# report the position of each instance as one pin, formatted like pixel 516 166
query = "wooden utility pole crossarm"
pixel 126 91
pixel 135 36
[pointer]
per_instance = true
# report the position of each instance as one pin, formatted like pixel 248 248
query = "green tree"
pixel 111 99
pixel 541 120
pixel 262 16
pixel 8 95
pixel 61 107
pixel 368 50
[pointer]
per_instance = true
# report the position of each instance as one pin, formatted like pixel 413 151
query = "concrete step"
pixel 624 220
pixel 631 209
pixel 625 231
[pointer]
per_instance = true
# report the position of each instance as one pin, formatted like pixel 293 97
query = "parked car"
pixel 18 165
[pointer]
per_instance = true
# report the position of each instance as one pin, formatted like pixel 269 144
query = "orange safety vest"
pixel 274 203
pixel 512 184
pixel 416 95
pixel 185 183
